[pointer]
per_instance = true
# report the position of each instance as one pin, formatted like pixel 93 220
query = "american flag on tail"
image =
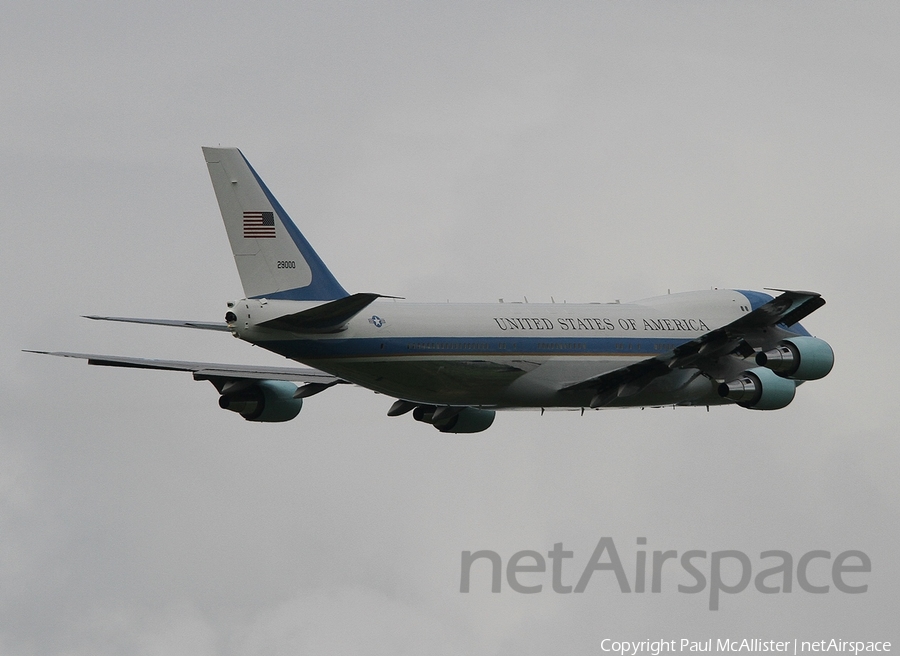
pixel 259 225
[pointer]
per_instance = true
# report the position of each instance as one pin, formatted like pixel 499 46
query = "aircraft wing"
pixel 786 309
pixel 207 370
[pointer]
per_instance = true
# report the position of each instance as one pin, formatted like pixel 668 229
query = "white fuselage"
pixel 503 354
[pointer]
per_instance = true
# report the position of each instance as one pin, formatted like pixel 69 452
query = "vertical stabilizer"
pixel 273 258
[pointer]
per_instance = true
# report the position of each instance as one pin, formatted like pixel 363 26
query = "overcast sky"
pixel 436 151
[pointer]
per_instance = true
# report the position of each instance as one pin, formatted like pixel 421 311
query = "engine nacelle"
pixel 467 420
pixel 800 358
pixel 267 400
pixel 760 389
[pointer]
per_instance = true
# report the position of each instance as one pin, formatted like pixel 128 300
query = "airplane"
pixel 455 365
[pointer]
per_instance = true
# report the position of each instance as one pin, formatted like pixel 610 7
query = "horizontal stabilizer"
pixel 329 317
pixel 202 325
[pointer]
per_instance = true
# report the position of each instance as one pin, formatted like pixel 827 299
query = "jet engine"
pixel 760 389
pixel 800 358
pixel 267 400
pixel 455 420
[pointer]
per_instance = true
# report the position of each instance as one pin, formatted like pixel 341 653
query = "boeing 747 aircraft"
pixel 454 365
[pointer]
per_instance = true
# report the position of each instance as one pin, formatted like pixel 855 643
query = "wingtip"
pixel 799 292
